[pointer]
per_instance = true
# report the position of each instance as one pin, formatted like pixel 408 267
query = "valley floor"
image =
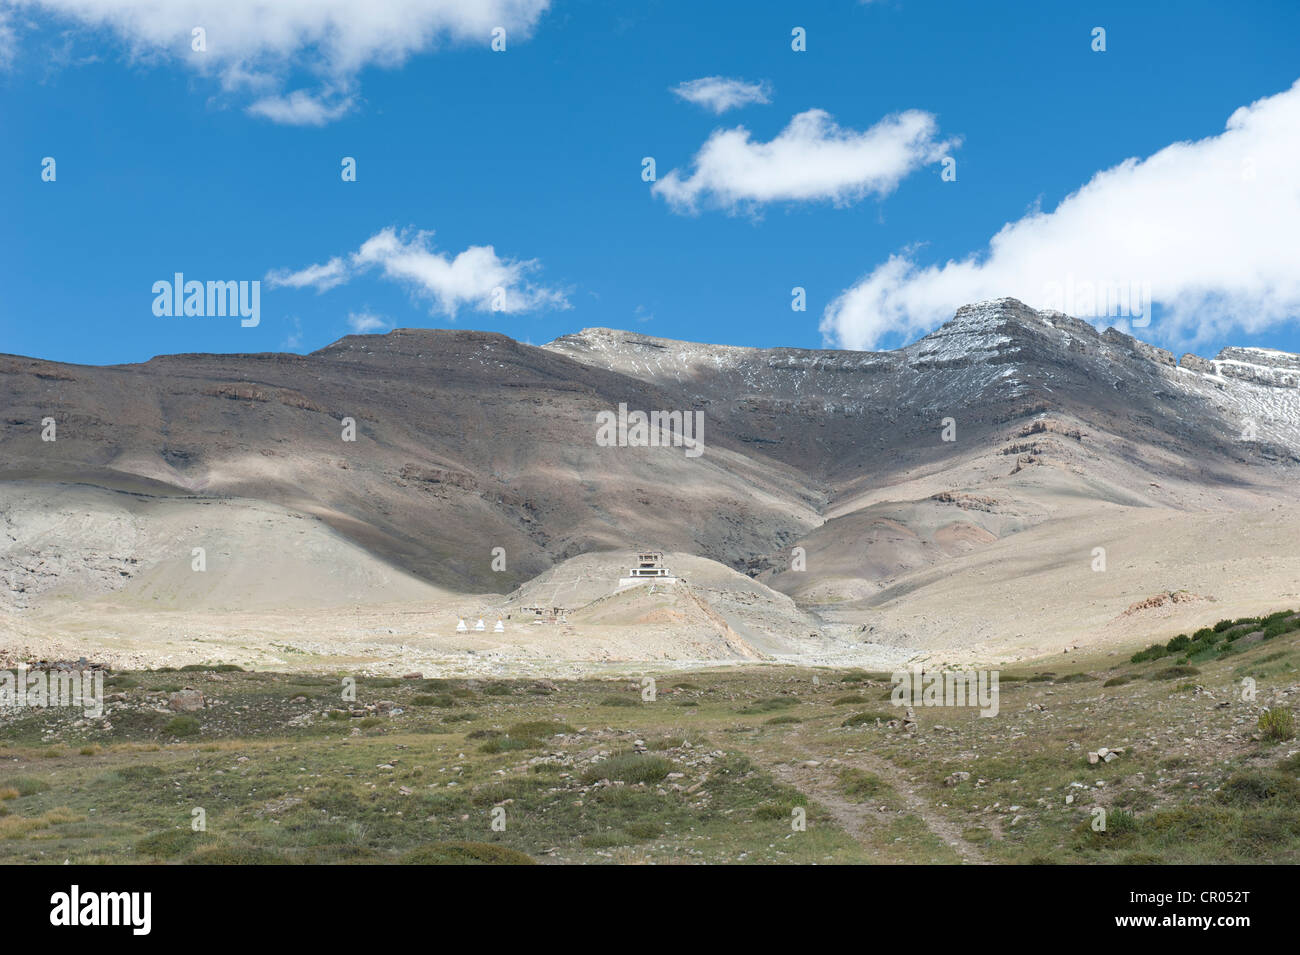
pixel 719 767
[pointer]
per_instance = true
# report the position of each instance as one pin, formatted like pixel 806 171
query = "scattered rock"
pixel 186 701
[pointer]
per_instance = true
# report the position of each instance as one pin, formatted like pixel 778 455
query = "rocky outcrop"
pixel 1196 363
pixel 1268 357
pixel 1260 366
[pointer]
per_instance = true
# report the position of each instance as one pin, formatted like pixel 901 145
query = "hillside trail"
pixel 820 782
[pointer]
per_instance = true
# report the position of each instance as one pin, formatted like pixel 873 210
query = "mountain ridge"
pixel 1005 431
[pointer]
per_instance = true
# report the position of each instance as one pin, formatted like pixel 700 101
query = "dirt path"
pixel 821 782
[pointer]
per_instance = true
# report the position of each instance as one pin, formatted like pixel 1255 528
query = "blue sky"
pixel 173 161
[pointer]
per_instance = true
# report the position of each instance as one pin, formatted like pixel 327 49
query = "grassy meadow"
pixel 763 764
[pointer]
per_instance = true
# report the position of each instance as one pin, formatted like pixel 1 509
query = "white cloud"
pixel 258 44
pixel 301 108
pixel 720 93
pixel 363 323
pixel 320 277
pixel 812 159
pixel 476 278
pixel 1212 227
pixel 8 41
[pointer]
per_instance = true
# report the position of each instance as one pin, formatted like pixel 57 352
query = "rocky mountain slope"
pixel 871 488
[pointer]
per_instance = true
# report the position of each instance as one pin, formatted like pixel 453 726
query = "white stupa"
pixel 480 625
pixel 499 628
pixel 460 626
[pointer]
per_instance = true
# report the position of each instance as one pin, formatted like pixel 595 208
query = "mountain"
pixel 947 497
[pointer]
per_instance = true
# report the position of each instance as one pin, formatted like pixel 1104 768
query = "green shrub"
pixel 520 736
pixel 1277 628
pixel 1257 787
pixel 28 785
pixel 768 705
pixel 629 768
pixel 182 726
pixel 139 774
pixel 1121 821
pixel 861 785
pixel 643 831
pixel 1291 764
pixel 1173 673
pixel 235 855
pixel 168 843
pixel 771 810
pixel 1277 725
pixel 1153 652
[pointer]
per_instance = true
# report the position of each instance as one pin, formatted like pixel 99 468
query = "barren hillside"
pixel 945 499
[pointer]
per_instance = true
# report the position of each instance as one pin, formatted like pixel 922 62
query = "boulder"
pixel 186 701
